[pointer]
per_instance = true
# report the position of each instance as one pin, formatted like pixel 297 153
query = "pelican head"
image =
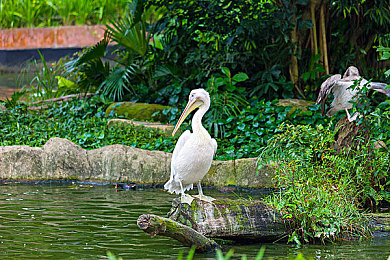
pixel 351 71
pixel 198 98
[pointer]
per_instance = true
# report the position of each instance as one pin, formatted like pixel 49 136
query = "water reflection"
pixel 85 222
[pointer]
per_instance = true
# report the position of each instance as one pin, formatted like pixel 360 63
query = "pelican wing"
pixel 173 186
pixel 326 88
pixel 380 87
pixel 179 145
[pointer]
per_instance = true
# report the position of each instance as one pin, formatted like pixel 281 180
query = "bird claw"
pixel 185 198
pixel 204 198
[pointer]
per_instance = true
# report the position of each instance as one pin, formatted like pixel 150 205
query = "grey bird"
pixel 343 94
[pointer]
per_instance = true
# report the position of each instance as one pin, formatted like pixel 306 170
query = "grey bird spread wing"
pixel 326 88
pixel 380 87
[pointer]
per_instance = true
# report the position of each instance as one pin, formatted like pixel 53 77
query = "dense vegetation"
pixel 247 55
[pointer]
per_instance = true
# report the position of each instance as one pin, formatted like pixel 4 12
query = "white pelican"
pixel 194 152
pixel 343 94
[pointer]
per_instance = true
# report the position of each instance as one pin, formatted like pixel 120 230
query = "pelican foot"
pixel 185 198
pixel 204 198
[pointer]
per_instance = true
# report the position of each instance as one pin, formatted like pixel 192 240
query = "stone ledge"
pixel 50 37
pixel 61 159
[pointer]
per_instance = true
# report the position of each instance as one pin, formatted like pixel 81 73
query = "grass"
pixel 45 13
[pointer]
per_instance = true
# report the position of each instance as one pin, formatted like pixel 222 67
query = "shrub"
pixel 322 190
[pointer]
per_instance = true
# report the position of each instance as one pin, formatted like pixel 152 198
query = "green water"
pixel 84 222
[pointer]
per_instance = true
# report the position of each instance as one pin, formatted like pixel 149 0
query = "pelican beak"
pixel 192 104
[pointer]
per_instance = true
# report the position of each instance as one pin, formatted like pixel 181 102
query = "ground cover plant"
pixel 81 122
pixel 84 123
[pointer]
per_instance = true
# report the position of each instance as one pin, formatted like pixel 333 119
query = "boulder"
pixel 21 162
pixel 241 173
pixel 137 111
pixel 61 159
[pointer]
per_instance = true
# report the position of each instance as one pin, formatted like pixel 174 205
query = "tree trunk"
pixel 347 133
pixel 323 38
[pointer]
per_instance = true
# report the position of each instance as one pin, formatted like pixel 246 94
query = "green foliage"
pixel 44 84
pixel 230 254
pixel 15 98
pixel 89 69
pixel 132 66
pixel 226 99
pixel 321 189
pixel 43 13
pixel 201 37
pixel 81 122
pixel 257 123
pixel 129 31
pixel 112 256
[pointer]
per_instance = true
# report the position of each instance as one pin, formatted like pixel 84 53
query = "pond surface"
pixel 7 85
pixel 84 222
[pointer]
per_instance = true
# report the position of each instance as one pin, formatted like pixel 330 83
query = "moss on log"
pixel 155 225
pixel 232 219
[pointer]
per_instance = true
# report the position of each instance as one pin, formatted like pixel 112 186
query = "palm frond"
pixel 95 52
pixel 136 9
pixel 91 54
pixel 128 34
pixel 116 83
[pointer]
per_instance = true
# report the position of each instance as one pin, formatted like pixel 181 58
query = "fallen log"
pixel 155 225
pixel 380 224
pixel 65 98
pixel 59 100
pixel 232 219
pixel 235 220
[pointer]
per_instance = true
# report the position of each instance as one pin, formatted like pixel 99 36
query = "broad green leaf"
pixel 226 71
pixel 240 77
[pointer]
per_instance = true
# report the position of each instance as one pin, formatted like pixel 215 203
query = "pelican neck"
pixel 197 127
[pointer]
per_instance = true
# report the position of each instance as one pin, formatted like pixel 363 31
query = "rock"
pixel 21 162
pixel 129 164
pixel 61 159
pixel 241 172
pixel 166 129
pixel 295 104
pixel 137 111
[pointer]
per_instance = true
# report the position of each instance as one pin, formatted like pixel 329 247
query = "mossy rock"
pixel 137 111
pixel 295 104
